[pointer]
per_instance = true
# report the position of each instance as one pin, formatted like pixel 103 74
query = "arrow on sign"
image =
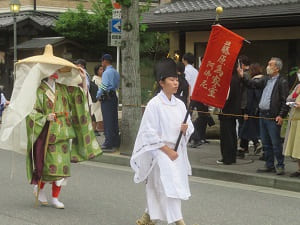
pixel 116 26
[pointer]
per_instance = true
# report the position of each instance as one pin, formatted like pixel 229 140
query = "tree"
pixel 89 29
pixel 131 84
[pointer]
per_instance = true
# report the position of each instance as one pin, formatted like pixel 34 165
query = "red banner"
pixel 215 72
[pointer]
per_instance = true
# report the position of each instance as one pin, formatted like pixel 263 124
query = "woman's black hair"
pixel 96 68
pixel 180 68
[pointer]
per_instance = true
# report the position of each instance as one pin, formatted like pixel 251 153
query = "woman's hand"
pixel 83 78
pixel 51 117
pixel 183 128
pixel 240 71
pixel 82 73
pixel 170 152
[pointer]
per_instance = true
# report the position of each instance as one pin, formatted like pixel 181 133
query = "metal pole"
pixel 15 44
pixel 118 58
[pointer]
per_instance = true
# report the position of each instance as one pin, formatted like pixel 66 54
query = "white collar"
pixel 162 96
pixel 52 88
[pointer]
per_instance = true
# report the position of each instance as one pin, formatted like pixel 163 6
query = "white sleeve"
pixel 147 143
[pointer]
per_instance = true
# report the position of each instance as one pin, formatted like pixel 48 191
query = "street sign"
pixel 115 39
pixel 116 25
pixel 116 14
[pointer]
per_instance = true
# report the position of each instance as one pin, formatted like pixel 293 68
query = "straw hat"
pixel 49 58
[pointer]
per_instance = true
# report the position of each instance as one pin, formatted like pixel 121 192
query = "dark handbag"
pixel 93 91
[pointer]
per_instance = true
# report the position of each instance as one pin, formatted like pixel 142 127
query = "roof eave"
pixel 233 23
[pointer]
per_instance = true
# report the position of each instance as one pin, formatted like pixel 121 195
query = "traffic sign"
pixel 115 39
pixel 116 14
pixel 116 25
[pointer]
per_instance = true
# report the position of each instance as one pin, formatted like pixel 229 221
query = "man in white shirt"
pixel 191 73
pixel 200 124
pixel 3 102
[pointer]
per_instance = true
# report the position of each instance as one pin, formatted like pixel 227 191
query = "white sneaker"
pixel 42 195
pixel 57 204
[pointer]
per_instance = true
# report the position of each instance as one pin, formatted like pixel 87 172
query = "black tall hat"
pixel 166 68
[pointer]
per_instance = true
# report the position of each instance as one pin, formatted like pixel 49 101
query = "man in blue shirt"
pixel 109 104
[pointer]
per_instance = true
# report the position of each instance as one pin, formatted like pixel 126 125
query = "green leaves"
pixel 80 25
pixel 154 43
pixel 293 71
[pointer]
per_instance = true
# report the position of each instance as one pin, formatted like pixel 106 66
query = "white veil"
pixel 13 135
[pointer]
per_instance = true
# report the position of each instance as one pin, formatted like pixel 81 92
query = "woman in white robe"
pixel 154 159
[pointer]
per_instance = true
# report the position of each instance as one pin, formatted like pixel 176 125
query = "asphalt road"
pixel 105 194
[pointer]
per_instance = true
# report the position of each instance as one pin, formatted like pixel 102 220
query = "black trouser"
pixel 228 139
pixel 244 142
pixel 200 123
pixel 109 108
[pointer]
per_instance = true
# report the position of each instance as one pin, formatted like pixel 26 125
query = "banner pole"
pixel 184 121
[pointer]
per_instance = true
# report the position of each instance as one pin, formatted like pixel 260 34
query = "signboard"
pixel 115 28
pixel 116 14
pixel 116 25
pixel 115 39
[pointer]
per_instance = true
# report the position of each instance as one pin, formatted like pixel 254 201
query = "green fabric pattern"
pixel 73 122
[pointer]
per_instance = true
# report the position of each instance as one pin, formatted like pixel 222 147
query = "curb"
pixel 218 174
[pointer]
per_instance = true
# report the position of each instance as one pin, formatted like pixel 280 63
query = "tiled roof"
pixel 205 5
pixel 40 42
pixel 43 19
pixel 200 14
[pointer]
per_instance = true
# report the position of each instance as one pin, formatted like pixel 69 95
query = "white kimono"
pixel 166 180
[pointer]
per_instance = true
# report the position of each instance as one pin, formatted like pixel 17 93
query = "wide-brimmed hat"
pixel 49 58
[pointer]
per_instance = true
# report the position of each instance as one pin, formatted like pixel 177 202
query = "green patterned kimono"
pixel 73 122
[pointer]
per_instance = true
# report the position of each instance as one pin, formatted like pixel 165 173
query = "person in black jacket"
pixel 273 108
pixel 228 135
pixel 183 88
pixel 250 128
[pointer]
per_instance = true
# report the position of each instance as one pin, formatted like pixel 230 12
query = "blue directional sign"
pixel 116 25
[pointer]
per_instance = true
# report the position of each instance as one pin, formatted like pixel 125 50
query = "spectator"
pixel 244 63
pixel 183 88
pixel 191 73
pixel 96 106
pixel 228 136
pixel 200 124
pixel 271 105
pixel 109 104
pixel 82 63
pixel 250 128
pixel 3 102
pixel 292 140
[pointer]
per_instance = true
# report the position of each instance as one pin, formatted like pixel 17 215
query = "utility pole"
pixel 131 83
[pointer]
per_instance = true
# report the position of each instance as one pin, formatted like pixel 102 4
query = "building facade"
pixel 272 27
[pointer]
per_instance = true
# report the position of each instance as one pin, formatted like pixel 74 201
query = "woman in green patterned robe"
pixel 59 131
